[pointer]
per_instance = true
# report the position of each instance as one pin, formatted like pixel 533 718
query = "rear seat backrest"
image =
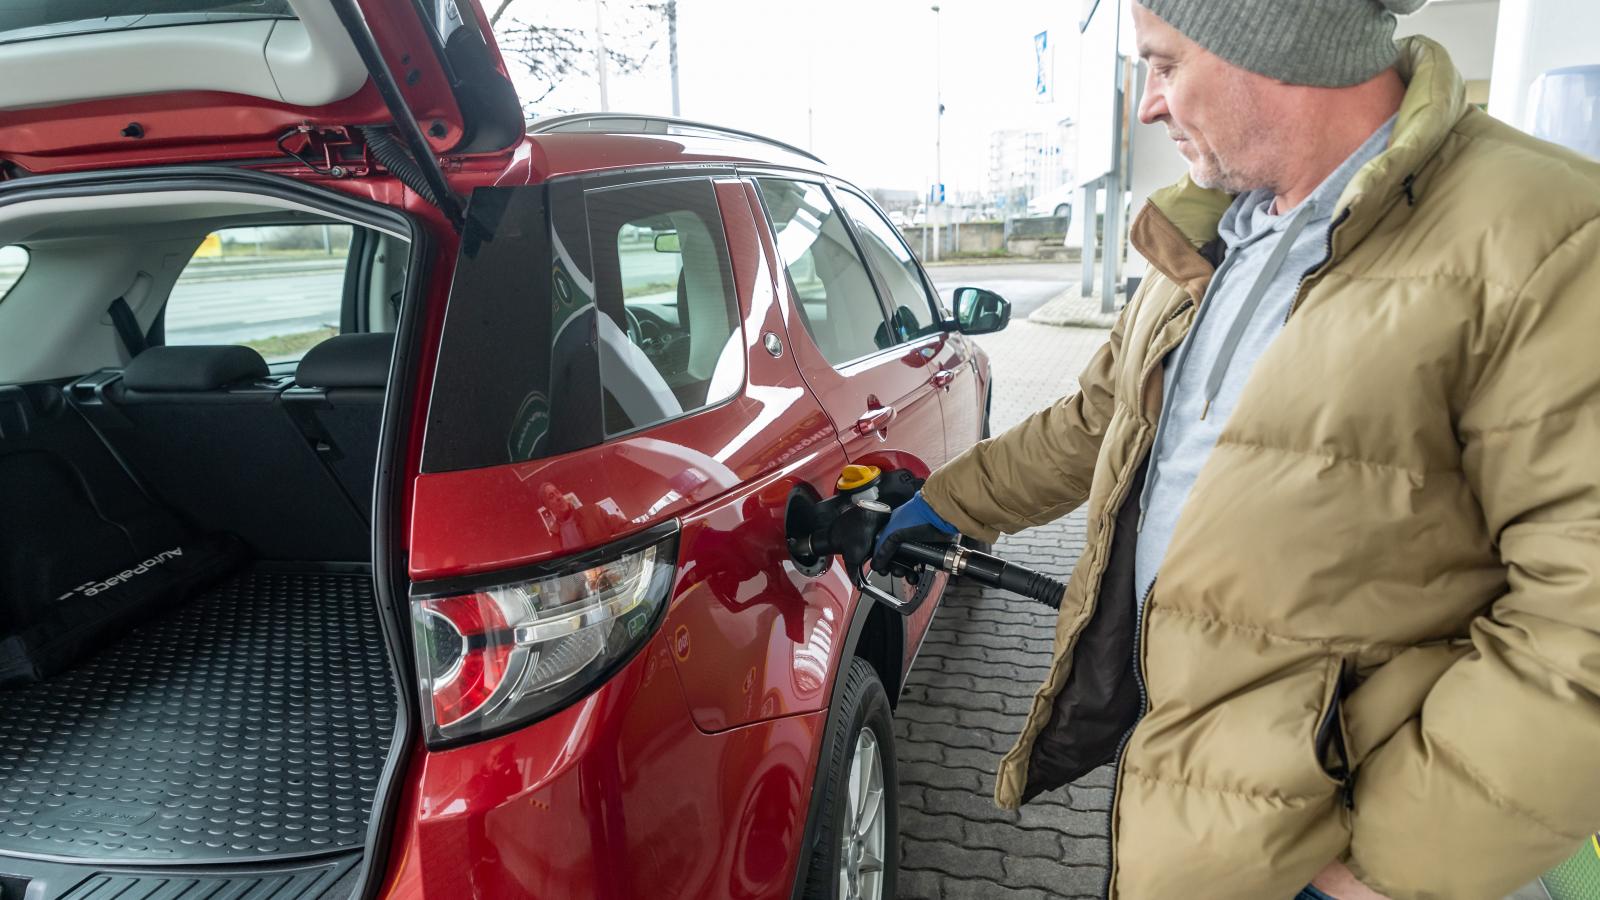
pixel 193 369
pixel 338 403
pixel 209 434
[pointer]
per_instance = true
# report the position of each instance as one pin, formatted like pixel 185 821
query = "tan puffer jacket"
pixel 1376 633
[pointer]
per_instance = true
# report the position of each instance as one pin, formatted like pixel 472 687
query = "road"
pixel 1026 285
pixel 230 311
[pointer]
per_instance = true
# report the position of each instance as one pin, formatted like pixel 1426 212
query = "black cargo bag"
pixel 85 555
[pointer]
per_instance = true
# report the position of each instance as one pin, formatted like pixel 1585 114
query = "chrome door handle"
pixel 943 378
pixel 875 420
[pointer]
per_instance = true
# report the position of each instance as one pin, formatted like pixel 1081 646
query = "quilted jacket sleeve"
pixel 1497 779
pixel 1038 470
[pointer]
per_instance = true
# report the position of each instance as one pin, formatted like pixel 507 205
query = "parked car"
pixel 397 501
pixel 1056 202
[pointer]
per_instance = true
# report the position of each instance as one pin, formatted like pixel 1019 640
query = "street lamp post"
pixel 672 50
pixel 937 203
pixel 600 53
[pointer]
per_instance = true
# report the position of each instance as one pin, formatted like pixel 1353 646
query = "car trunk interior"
pixel 193 670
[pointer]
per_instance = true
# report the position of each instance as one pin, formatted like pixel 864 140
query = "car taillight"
pixel 499 655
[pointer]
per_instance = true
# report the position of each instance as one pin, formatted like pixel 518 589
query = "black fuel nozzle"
pixel 991 571
pixel 850 532
pixel 848 525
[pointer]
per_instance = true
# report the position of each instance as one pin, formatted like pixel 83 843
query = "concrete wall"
pixel 1038 238
pixel 971 237
pixel 1535 36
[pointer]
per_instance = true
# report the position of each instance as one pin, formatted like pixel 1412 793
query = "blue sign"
pixel 936 194
pixel 1041 52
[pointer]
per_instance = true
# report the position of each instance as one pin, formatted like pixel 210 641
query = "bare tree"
pixel 553 54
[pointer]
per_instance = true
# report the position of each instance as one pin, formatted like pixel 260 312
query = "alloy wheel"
pixel 864 833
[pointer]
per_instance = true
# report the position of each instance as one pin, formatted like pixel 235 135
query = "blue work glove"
pixel 914 521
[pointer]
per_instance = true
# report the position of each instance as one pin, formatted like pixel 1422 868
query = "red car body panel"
pixel 618 796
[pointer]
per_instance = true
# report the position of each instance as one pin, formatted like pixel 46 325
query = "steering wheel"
pixel 635 330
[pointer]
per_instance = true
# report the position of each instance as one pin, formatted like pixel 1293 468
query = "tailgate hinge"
pixel 331 150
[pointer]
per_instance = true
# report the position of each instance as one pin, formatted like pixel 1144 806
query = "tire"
pixel 1063 210
pixel 868 732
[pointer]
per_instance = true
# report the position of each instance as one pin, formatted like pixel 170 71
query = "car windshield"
pixel 22 20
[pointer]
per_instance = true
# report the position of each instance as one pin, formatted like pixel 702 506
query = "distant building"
pixel 1024 164
pixel 895 201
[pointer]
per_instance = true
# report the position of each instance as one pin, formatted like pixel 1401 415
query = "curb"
pixel 1070 309
pixel 1070 259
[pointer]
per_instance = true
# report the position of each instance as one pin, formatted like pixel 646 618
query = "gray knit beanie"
pixel 1325 43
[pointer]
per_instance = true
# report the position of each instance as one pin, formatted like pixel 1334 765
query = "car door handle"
pixel 943 378
pixel 875 420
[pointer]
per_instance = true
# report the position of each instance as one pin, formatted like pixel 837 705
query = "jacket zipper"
pixel 1138 631
pixel 1332 725
pixel 1327 257
pixel 1182 308
pixel 1122 743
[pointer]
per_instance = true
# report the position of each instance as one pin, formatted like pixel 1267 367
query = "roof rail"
pixel 634 123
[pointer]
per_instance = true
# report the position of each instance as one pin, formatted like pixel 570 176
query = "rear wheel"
pixel 856 856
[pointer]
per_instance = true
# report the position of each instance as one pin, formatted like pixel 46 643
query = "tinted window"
pixel 540 354
pixel 278 289
pixel 13 260
pixel 892 260
pixel 669 342
pixel 831 287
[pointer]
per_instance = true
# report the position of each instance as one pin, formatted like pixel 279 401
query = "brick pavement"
pixel 965 699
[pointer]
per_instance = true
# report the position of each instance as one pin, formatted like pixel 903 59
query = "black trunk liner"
pixel 251 724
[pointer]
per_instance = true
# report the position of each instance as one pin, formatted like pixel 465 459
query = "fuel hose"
pixel 987 570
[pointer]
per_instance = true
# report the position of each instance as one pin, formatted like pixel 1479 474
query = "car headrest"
pixel 198 368
pixel 347 361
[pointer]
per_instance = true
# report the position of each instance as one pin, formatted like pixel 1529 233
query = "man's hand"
pixel 914 521
pixel 1337 881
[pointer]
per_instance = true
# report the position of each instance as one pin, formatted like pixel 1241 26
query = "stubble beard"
pixel 1208 170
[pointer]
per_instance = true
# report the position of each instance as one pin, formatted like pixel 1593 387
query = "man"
pixel 1338 616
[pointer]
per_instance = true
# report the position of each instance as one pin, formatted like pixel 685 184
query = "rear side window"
pixel 278 289
pixel 830 284
pixel 668 338
pixel 912 308
pixel 13 260
pixel 578 314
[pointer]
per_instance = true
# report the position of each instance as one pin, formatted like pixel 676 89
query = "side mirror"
pixel 667 242
pixel 981 312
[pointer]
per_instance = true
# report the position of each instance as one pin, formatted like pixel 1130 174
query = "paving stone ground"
pixel 966 697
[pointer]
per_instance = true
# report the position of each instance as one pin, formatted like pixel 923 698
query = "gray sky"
pixel 867 67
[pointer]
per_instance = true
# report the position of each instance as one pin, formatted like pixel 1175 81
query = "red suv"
pixel 397 502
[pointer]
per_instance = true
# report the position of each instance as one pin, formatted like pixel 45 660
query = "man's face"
pixel 1214 111
pixel 553 499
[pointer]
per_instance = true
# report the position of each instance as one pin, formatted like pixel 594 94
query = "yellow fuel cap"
pixel 854 478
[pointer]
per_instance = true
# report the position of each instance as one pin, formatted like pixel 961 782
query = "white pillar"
pixel 1534 37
